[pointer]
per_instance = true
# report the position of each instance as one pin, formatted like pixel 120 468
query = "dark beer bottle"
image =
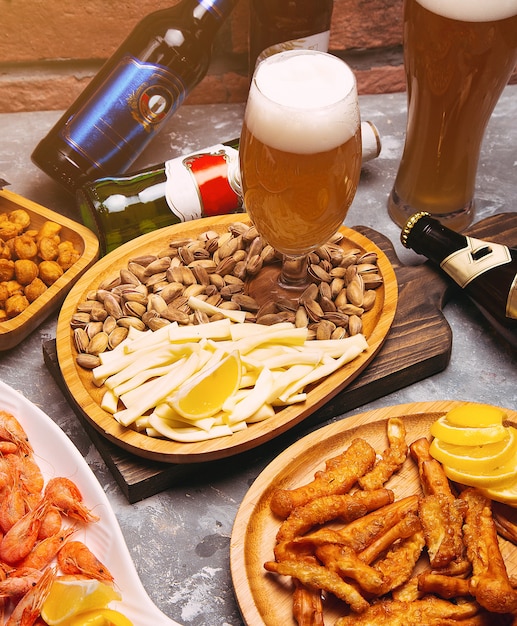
pixel 277 25
pixel 486 271
pixel 201 184
pixel 134 94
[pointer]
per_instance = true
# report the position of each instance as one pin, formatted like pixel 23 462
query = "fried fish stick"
pixel 441 513
pixel 408 592
pixel 362 532
pixel 390 572
pixel 428 611
pixel 432 477
pixel 398 565
pixel 407 526
pixel 345 562
pixel 444 586
pixel 461 568
pixel 442 517
pixel 338 477
pixel 392 458
pixel 319 577
pixel 489 582
pixel 346 507
pixel 307 606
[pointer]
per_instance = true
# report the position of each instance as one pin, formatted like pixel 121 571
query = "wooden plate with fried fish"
pixel 265 599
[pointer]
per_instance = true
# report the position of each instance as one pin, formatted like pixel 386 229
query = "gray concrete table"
pixel 180 538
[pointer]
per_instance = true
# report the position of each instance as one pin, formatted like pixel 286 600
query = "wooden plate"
pixel 262 600
pixel 377 323
pixel 15 330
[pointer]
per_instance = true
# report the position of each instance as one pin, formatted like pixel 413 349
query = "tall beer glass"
pixel 300 154
pixel 458 56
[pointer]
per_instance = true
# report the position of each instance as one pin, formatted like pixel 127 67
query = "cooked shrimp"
pixel 6 473
pixel 51 523
pixel 28 609
pixel 31 478
pixel 76 558
pixel 13 504
pixel 8 447
pixel 19 540
pixel 45 550
pixel 19 582
pixel 5 482
pixel 11 430
pixel 65 495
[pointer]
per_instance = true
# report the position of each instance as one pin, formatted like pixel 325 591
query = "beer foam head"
pixel 303 101
pixel 472 10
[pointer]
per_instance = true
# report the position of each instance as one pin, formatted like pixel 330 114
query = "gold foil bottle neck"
pixel 408 226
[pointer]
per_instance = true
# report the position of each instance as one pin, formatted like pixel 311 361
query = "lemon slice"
pixel 479 460
pixel 205 394
pixel 100 617
pixel 70 595
pixel 506 494
pixel 475 415
pixel 498 478
pixel 442 429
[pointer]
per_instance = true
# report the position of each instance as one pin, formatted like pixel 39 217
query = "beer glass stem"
pixel 294 272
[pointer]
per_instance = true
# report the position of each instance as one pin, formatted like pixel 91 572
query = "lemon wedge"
pixel 70 596
pixel 204 395
pixel 472 436
pixel 475 415
pixel 480 460
pixel 100 617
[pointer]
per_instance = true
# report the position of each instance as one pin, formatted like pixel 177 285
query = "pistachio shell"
pixel 98 344
pixel 81 339
pixel 88 361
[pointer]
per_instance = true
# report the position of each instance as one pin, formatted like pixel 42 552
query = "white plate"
pixel 57 456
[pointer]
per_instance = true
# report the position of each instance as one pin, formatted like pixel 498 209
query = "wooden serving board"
pixel 418 345
pixel 266 600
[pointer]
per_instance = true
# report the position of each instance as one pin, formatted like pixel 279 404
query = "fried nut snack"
pixel 25 271
pixel 31 260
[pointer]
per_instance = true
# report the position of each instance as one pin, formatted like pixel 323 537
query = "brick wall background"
pixel 50 49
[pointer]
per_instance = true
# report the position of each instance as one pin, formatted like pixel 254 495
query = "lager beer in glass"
pixel 300 153
pixel 458 57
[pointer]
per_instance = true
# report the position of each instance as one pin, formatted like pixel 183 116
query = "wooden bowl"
pixel 87 396
pixel 262 598
pixel 14 330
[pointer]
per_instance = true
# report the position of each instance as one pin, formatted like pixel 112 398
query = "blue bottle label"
pixel 123 115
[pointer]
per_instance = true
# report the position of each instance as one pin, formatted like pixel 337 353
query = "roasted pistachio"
pixel 154 289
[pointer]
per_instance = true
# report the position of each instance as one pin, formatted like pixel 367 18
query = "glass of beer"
pixel 300 159
pixel 458 57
